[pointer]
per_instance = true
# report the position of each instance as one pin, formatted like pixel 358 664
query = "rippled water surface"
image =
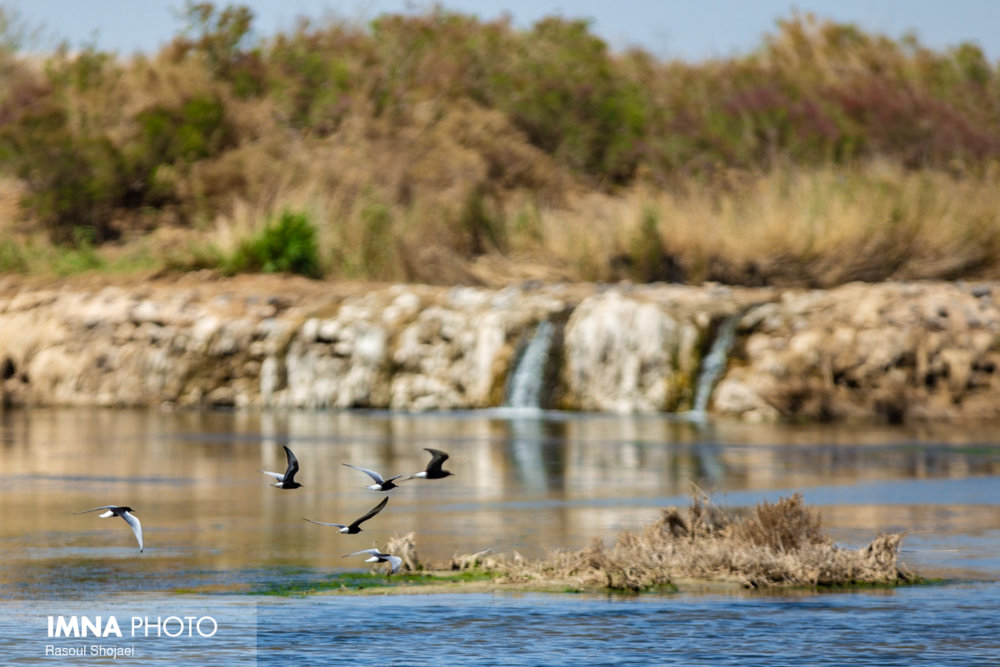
pixel 955 624
pixel 216 534
pixel 928 626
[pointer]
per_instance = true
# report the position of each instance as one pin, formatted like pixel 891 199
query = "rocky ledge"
pixel 893 351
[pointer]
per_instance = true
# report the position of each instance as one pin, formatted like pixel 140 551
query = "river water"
pixel 217 536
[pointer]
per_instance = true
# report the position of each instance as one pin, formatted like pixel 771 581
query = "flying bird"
pixel 433 469
pixel 123 512
pixel 286 480
pixel 355 526
pixel 380 484
pixel 395 562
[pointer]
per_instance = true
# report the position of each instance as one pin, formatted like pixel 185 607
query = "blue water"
pixel 956 624
pixel 950 624
pixel 217 536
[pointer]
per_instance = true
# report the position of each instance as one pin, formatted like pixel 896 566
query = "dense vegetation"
pixel 440 147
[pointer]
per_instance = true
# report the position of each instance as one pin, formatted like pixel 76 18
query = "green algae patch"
pixel 349 583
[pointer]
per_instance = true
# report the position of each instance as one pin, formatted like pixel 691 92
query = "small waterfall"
pixel 714 364
pixel 524 388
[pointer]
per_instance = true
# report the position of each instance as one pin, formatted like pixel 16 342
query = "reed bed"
pixel 811 227
pixel 775 544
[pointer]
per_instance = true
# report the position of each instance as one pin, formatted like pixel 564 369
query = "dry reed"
pixel 775 544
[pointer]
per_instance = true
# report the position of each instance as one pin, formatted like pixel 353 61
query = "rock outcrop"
pixel 892 351
pixel 896 351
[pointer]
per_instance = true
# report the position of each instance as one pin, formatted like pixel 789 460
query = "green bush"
pixel 194 130
pixel 288 246
pixel 12 257
pixel 71 180
pixel 562 89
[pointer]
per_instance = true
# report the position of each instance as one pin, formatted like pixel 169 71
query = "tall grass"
pixel 425 146
pixel 816 227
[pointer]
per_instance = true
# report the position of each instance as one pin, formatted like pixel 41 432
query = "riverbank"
pixel 892 351
pixel 887 351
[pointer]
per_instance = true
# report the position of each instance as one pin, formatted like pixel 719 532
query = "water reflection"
pixel 525 481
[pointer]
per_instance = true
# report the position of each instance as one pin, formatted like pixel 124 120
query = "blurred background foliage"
pixel 439 147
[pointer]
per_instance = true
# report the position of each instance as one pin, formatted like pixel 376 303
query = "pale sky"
pixel 683 29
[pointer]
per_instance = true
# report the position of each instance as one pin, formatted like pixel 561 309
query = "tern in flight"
pixel 433 469
pixel 286 480
pixel 123 512
pixel 380 484
pixel 395 562
pixel 355 526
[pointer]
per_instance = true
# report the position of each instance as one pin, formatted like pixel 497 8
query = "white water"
pixel 714 364
pixel 524 389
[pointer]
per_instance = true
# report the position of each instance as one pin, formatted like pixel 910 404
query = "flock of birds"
pixel 286 480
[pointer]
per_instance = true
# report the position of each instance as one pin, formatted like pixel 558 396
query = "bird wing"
pixel 323 523
pixel 293 465
pixel 94 509
pixel 133 522
pixel 396 563
pixel 394 478
pixel 371 473
pixel 437 459
pixel 373 552
pixel 277 475
pixel 372 512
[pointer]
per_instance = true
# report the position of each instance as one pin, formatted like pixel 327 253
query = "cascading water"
pixel 524 389
pixel 714 364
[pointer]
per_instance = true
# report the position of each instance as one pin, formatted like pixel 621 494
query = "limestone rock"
pixel 893 351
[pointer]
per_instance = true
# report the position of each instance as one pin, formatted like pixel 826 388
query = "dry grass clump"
pixel 405 546
pixel 775 544
pixel 802 226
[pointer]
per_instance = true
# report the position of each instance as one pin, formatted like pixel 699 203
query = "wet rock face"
pixel 892 351
pixel 627 354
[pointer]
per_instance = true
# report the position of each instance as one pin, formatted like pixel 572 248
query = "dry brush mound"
pixel 775 544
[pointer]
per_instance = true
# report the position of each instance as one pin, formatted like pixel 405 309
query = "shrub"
pixel 71 180
pixel 193 130
pixel 561 89
pixel 223 39
pixel 85 158
pixel 288 246
pixel 12 257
